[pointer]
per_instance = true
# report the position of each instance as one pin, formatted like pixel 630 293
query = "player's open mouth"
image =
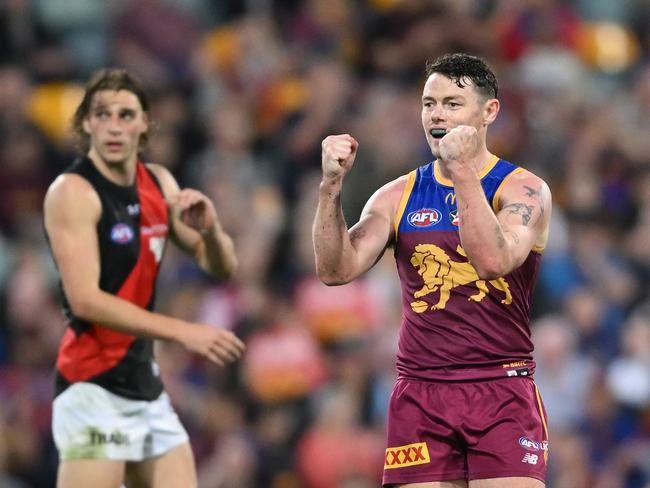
pixel 438 133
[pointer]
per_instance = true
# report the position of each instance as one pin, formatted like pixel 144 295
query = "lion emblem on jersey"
pixel 440 273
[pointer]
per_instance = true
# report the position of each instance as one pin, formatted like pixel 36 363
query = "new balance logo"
pixel 409 455
pixel 530 458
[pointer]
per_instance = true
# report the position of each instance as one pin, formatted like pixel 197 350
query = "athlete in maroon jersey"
pixel 107 220
pixel 467 231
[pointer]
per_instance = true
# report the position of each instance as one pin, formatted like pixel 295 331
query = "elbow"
pixel 491 269
pixel 82 307
pixel 488 275
pixel 331 279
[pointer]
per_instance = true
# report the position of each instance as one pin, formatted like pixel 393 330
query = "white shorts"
pixel 89 422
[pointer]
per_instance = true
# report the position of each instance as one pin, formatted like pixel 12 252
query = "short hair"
pixel 106 79
pixel 459 67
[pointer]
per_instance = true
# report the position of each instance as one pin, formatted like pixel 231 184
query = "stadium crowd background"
pixel 243 93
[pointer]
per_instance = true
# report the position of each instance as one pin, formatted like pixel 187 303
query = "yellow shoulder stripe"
pixel 497 194
pixel 406 193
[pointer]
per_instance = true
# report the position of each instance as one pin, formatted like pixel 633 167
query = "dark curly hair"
pixel 461 67
pixel 106 79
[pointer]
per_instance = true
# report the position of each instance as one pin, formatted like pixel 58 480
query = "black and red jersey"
pixel 132 233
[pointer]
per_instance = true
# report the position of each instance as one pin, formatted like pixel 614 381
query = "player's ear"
pixel 490 110
pixel 85 125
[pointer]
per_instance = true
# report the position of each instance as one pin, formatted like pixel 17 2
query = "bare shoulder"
pixel 525 199
pixel 390 194
pixel 524 176
pixel 71 192
pixel 527 185
pixel 165 178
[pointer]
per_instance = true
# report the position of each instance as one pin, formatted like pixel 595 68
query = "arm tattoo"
pixel 515 236
pixel 531 192
pixel 537 194
pixel 526 211
pixel 501 241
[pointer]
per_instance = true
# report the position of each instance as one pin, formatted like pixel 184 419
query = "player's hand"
pixel 195 209
pixel 217 345
pixel 338 155
pixel 458 146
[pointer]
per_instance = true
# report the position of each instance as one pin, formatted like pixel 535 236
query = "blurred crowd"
pixel 243 92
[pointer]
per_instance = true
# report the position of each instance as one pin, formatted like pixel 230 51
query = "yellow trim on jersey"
pixel 497 193
pixel 437 174
pixel 541 414
pixel 406 193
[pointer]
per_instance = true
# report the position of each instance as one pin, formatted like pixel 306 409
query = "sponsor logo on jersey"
pixel 409 455
pixel 133 209
pixel 154 230
pixel 425 217
pixel 514 364
pixel 453 217
pixel 121 233
pixel 450 199
pixel 532 445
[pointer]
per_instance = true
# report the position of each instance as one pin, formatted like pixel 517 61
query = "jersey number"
pixel 156 245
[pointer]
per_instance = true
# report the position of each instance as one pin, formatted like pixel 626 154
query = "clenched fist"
pixel 338 155
pixel 459 144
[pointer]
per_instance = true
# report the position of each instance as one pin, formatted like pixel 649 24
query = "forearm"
pixel 121 315
pixel 332 246
pixel 217 253
pixel 483 238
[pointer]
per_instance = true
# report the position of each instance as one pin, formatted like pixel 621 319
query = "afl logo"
pixel 121 233
pixel 425 217
pixel 530 444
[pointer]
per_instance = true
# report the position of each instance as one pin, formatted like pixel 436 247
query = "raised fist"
pixel 460 143
pixel 338 155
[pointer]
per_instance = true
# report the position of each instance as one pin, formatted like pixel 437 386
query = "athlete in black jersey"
pixel 107 219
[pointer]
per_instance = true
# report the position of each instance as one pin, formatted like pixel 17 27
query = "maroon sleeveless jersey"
pixel 132 232
pixel 456 326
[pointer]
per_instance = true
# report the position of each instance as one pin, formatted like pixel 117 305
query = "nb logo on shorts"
pixel 410 455
pixel 530 458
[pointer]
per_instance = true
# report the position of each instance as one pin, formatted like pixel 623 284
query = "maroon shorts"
pixel 441 431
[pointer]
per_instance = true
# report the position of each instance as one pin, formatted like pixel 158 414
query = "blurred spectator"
pixel 628 376
pixel 563 374
pixel 151 38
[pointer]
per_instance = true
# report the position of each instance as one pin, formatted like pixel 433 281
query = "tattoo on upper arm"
pixel 501 241
pixel 518 208
pixel 531 192
pixel 536 194
pixel 515 236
